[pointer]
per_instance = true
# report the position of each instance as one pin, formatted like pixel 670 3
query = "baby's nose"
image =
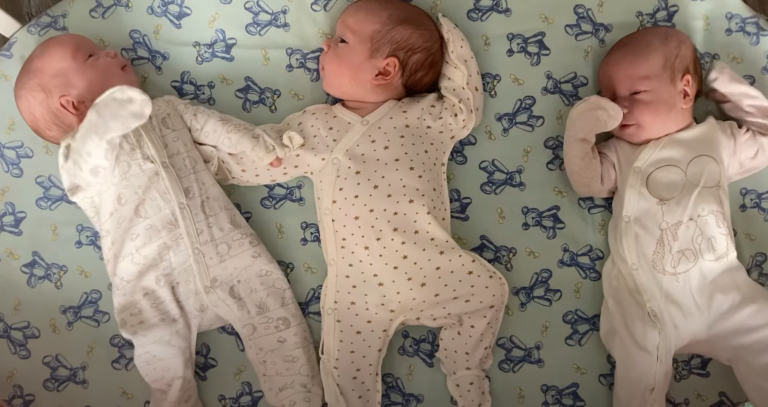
pixel 110 53
pixel 326 45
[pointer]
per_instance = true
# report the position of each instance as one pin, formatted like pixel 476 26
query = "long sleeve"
pixel 746 140
pixel 591 168
pixel 460 83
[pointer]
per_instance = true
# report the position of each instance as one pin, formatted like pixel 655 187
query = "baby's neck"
pixel 362 109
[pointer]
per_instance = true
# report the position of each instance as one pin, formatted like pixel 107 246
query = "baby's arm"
pixel 748 140
pixel 460 83
pixel 591 168
pixel 239 152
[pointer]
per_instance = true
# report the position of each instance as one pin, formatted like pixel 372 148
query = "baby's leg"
pixel 163 327
pixel 740 333
pixel 643 355
pixel 254 295
pixel 468 302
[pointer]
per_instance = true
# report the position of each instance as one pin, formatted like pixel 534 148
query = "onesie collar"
pixel 375 115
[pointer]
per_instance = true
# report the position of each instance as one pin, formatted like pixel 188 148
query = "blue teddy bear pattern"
pixel 671 402
pixel 587 26
pixel 459 205
pixel 424 347
pixel 308 61
pixel 483 9
pixel 18 398
pixel 264 18
pixel 230 330
pixel 495 254
pixel 394 393
pixel 584 261
pixel 499 177
pixel 754 199
pixel 517 354
pixel 520 117
pixel 63 373
pixel 582 327
pixel 548 220
pixel 5 50
pixel 538 291
pixel 568 396
pixel 310 307
pixel 53 193
pixel 750 27
pixel 555 145
pixel 246 396
pixel 105 8
pixel 86 311
pixel 287 268
pixel 593 206
pixel 311 234
pixel 17 336
pixel 323 5
pixel 726 401
pixel 11 219
pixel 188 89
pixel 203 361
pixel 457 154
pixel 661 15
pixel 141 52
pixel 220 47
pixel 254 95
pixel 88 236
pixel 567 87
pixel 280 193
pixel 40 271
pixel 490 81
pixel 693 365
pixel 607 379
pixel 47 22
pixel 706 59
pixel 125 351
pixel 11 154
pixel 532 47
pixel 755 268
pixel 172 10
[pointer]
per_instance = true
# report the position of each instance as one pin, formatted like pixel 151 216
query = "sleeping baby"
pixel 180 257
pixel 378 162
pixel 673 282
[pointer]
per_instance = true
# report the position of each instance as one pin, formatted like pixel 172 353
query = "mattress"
pixel 511 201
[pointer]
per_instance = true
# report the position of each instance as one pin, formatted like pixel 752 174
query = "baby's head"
pixel 382 50
pixel 62 78
pixel 654 75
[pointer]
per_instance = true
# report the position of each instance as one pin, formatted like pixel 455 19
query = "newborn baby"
pixel 673 282
pixel 378 162
pixel 180 257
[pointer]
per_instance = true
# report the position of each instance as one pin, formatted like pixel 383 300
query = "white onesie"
pixel 180 257
pixel 384 218
pixel 673 282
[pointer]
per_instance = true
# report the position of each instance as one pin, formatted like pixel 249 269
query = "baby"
pixel 180 257
pixel 673 282
pixel 378 162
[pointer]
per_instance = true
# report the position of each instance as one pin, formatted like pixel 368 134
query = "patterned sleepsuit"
pixel 180 257
pixel 384 219
pixel 673 282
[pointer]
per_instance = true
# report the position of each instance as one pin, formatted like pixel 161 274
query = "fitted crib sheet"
pixel 510 199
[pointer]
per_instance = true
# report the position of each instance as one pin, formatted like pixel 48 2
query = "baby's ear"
pixel 687 90
pixel 75 108
pixel 390 71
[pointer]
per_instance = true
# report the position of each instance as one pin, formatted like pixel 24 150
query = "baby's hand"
pixel 717 96
pixel 276 162
pixel 593 115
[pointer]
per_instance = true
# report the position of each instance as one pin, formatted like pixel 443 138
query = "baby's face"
pixel 652 101
pixel 346 65
pixel 90 70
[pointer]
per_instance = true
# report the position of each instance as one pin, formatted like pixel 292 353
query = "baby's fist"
pixel 276 162
pixel 594 114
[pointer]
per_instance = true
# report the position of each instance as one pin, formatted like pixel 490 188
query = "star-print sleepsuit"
pixel 180 257
pixel 673 282
pixel 384 222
